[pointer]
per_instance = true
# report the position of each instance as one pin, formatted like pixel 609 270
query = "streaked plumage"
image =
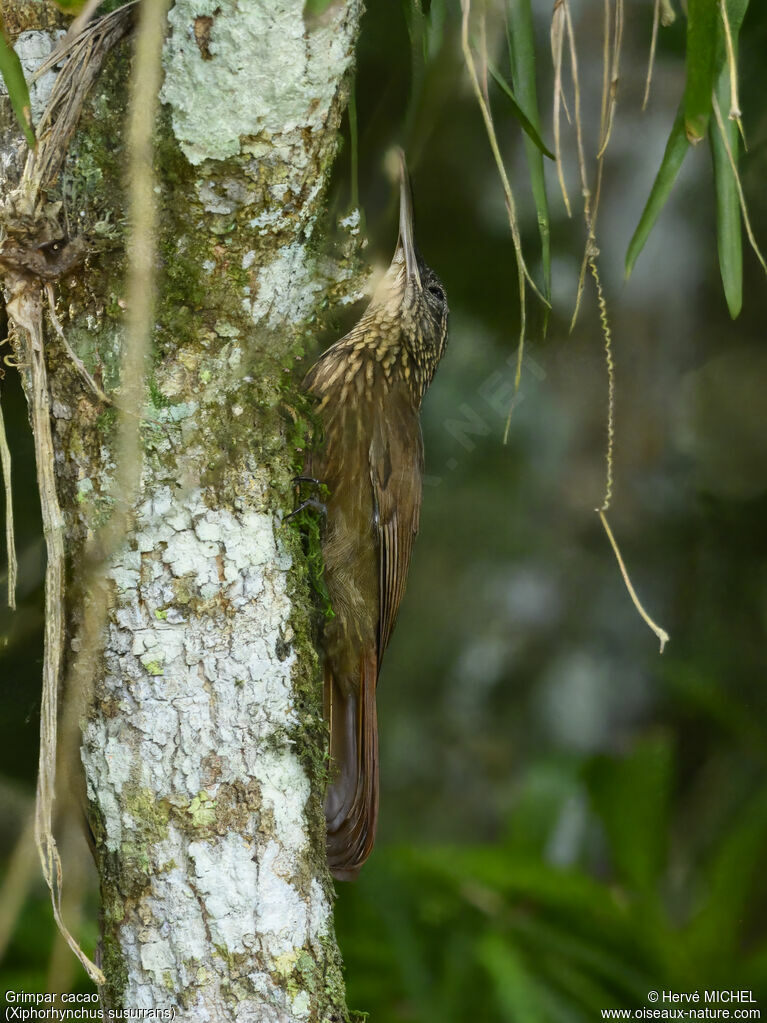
pixel 369 387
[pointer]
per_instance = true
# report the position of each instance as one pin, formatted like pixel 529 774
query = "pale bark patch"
pixel 196 662
pixel 266 76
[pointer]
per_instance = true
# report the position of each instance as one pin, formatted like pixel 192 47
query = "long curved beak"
pixel 406 222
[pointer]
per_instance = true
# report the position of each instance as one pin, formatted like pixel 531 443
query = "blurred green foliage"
pixel 500 932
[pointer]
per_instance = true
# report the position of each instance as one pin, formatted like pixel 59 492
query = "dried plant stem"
pixel 62 968
pixel 732 66
pixel 610 89
pixel 610 365
pixel 562 26
pixel 82 19
pixel 351 113
pixel 611 54
pixel 10 539
pixel 653 47
pixel 662 635
pixel 741 196
pixel 603 509
pixel 577 108
pixel 589 219
pixel 26 311
pixel 82 370
pixel 605 71
pixel 482 99
pixel 83 55
pixel 557 42
pixel 76 360
pixel 511 207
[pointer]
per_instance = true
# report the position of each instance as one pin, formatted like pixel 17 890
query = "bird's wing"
pixel 396 468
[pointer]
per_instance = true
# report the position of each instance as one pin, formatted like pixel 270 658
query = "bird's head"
pixel 410 291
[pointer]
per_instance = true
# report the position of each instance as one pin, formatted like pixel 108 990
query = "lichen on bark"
pixel 204 745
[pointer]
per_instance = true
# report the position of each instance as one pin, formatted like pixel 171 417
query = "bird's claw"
pixel 310 503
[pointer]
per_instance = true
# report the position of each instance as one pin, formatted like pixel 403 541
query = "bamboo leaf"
pixel 706 59
pixel 521 40
pixel 676 149
pixel 702 35
pixel 728 212
pixel 16 84
pixel 736 12
pixel 526 124
pixel 728 230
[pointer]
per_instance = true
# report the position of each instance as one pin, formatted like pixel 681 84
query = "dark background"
pixel 568 819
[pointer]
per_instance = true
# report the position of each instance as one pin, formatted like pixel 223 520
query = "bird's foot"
pixel 310 503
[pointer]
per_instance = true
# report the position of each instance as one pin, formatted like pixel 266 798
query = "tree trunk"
pixel 204 746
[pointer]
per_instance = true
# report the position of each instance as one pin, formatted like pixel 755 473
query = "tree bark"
pixel 204 746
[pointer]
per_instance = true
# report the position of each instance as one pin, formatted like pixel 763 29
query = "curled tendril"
pixel 13 358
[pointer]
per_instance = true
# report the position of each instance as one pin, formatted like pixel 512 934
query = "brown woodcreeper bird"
pixel 368 389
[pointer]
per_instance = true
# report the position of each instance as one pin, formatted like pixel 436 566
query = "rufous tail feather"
pixel 351 801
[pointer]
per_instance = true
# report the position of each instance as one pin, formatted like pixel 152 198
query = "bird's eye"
pixel 438 293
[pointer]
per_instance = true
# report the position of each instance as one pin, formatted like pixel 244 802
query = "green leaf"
pixel 702 30
pixel 631 796
pixel 582 990
pixel 16 84
pixel 521 40
pixel 736 12
pixel 606 957
pixel 735 863
pixel 728 235
pixel 706 59
pixel 527 126
pixel 515 989
pixel 728 226
pixel 494 868
pixel 676 150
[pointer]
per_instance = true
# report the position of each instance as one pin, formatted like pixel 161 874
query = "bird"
pixel 367 391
